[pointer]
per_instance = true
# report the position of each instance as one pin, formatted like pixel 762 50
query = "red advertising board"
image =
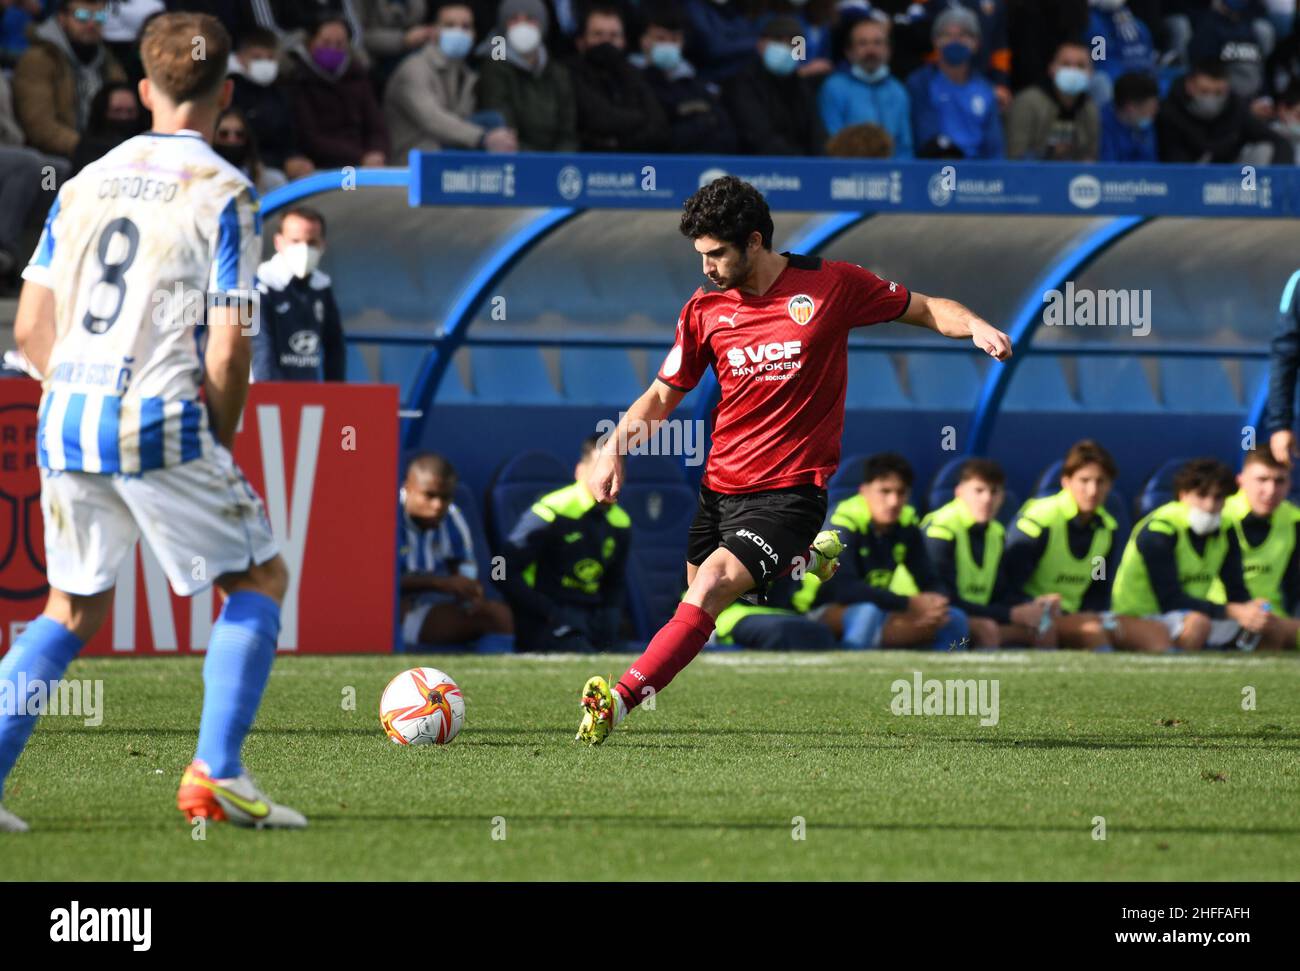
pixel 323 457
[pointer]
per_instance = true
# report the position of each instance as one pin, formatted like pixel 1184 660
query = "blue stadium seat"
pixel 661 506
pixel 1039 385
pixel 464 500
pixel 598 376
pixel 358 370
pixel 452 390
pixel 943 381
pixel 517 485
pixel 1160 487
pixel 1115 384
pixel 512 376
pixel 945 480
pixel 845 481
pixel 873 382
pixel 1197 386
pixel 400 364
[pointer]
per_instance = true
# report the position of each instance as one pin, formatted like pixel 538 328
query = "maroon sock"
pixel 670 650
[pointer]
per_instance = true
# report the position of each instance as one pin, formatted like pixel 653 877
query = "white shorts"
pixel 1222 632
pixel 201 520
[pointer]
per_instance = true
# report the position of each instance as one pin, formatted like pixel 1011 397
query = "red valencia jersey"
pixel 782 363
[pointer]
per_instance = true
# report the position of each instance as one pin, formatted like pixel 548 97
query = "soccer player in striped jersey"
pixel 136 421
pixel 442 598
pixel 775 333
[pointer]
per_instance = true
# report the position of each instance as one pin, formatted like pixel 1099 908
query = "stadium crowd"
pixel 1215 567
pixel 333 83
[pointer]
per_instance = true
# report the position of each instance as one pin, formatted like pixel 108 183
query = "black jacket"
pixel 1183 137
pixel 774 115
pixel 617 111
pixel 698 122
pixel 270 116
pixel 300 337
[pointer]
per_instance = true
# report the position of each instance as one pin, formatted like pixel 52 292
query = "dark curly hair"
pixel 883 464
pixel 1205 476
pixel 728 209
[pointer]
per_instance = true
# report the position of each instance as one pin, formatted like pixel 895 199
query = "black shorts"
pixel 766 531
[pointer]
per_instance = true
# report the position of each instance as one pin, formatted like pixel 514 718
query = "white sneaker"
pixel 238 801
pixel 9 823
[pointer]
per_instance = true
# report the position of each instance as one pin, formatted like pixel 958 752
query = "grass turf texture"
pixel 705 787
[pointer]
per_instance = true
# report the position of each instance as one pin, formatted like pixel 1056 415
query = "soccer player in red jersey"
pixel 775 332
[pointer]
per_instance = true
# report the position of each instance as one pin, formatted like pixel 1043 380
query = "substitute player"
pixel 126 446
pixel 775 332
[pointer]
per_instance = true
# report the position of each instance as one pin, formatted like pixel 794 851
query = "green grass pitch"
pixel 707 786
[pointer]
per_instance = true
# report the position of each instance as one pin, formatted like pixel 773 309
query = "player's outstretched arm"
pixel 226 366
pixel 951 319
pixel 34 329
pixel 606 477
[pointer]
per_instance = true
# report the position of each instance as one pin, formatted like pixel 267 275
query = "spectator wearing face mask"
pixel 337 117
pixel 954 107
pixel 430 99
pixel 698 123
pixel 115 115
pixel 1231 31
pixel 1055 120
pixel 235 142
pixel 59 76
pixel 617 111
pixel 775 109
pixel 20 186
pixel 268 112
pixel 300 337
pixel 531 91
pixel 816 18
pixel 1128 123
pixel 867 93
pixel 1201 120
pixel 720 37
pixel 1126 41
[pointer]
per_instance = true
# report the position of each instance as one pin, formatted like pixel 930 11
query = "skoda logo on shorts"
pixel 800 308
pixel 304 342
pixel 1085 191
pixel 569 182
pixel 22 564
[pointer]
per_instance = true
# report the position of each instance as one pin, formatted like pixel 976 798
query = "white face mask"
pixel 263 71
pixel 301 259
pixel 524 37
pixel 1203 523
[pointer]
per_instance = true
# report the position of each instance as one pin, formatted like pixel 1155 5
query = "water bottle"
pixel 1248 641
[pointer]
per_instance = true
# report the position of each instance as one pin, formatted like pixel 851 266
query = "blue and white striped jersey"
pixel 135 249
pixel 448 546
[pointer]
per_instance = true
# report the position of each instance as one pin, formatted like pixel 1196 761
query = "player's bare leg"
pixel 42 653
pixel 714 585
pixel 1195 632
pixel 235 672
pixel 1280 634
pixel 452 623
pixel 1140 635
pixel 1081 631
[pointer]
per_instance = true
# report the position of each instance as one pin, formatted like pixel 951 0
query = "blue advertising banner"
pixel 856 185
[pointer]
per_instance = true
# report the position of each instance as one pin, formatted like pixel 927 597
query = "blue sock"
pixel 42 652
pixel 954 635
pixel 240 654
